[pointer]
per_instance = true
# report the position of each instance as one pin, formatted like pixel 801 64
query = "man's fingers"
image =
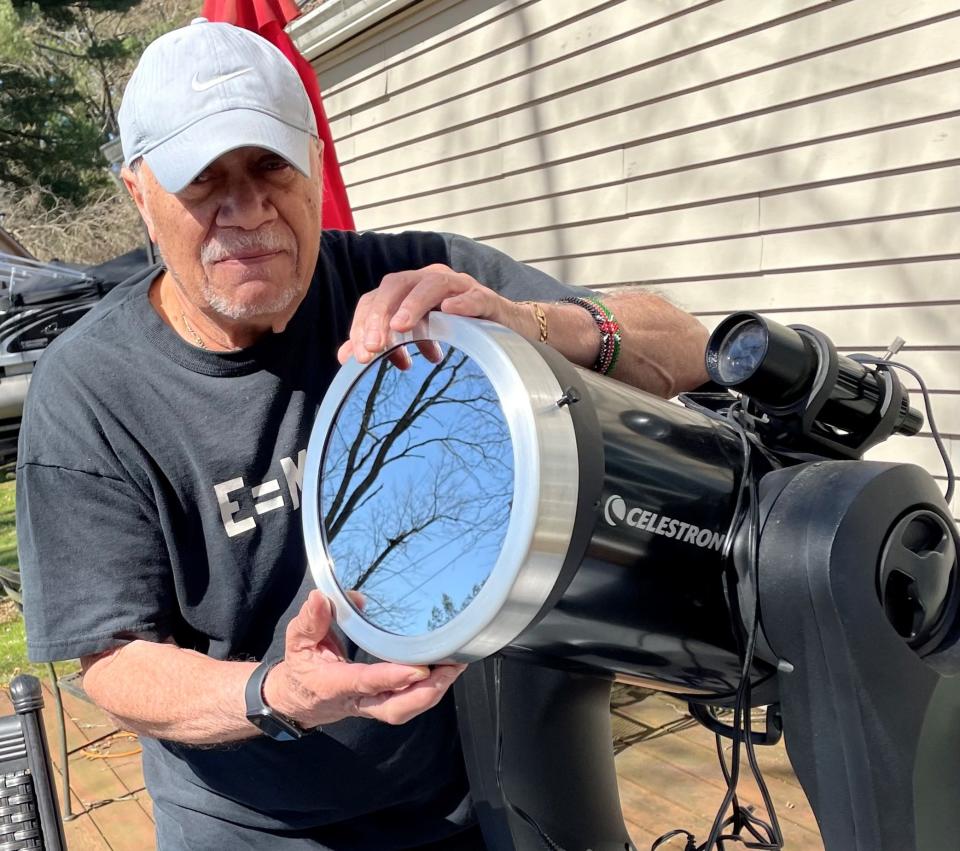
pixel 402 300
pixel 430 291
pixel 399 707
pixel 371 325
pixel 475 302
pixel 400 358
pixel 311 625
pixel 323 693
pixel 431 350
pixel 358 599
pixel 357 328
pixel 382 677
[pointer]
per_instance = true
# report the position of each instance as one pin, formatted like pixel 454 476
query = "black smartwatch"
pixel 267 719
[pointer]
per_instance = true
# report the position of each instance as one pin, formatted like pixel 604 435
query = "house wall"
pixel 796 157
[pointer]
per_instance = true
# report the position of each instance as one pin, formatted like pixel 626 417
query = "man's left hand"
pixel 404 298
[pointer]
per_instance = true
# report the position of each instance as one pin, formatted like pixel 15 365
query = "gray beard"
pixel 283 297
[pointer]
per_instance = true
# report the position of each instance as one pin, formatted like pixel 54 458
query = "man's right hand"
pixel 315 685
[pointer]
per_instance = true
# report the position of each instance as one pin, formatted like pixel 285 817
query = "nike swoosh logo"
pixel 216 81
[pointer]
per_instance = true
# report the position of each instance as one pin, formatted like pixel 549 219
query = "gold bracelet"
pixel 541 318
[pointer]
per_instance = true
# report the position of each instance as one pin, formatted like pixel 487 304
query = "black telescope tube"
pixel 776 365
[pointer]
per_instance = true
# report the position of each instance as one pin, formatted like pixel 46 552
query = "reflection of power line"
pixel 488 517
pixel 435 575
pixel 391 535
pixel 391 613
pixel 414 588
pixel 400 522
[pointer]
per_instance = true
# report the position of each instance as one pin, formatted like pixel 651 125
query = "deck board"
pixel 667 768
pixel 671 769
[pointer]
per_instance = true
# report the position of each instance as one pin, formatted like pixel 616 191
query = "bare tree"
pixel 63 67
pixel 52 228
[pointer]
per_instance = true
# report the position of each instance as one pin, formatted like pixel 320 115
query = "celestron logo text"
pixel 615 512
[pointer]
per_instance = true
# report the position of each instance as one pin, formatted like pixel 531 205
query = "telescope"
pixel 494 504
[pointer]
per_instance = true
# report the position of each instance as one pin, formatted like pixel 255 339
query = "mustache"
pixel 224 246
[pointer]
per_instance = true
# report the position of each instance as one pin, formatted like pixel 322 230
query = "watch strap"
pixel 263 716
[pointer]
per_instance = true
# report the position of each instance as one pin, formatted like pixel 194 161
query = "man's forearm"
pixel 167 692
pixel 662 347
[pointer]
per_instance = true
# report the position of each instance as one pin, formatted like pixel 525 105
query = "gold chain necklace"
pixel 191 332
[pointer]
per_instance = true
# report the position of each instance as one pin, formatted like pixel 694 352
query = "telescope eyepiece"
pixel 741 352
pixel 767 361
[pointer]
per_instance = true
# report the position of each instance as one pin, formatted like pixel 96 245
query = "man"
pixel 161 462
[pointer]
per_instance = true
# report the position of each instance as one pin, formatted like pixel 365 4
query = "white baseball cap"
pixel 209 88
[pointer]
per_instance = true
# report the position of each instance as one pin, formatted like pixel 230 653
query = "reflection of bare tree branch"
pixel 487 514
pixel 392 544
pixel 410 451
pixel 435 521
pixel 334 522
pixel 362 432
pixel 368 497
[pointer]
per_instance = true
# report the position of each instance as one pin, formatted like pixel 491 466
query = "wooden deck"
pixel 667 765
pixel 670 775
pixel 111 809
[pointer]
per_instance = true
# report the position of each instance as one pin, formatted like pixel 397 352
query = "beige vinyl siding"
pixel 799 158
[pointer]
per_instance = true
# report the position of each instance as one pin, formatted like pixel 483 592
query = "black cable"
pixel 951 478
pixel 742 722
pixel 733 776
pixel 746 510
pixel 690 846
pixel 736 522
pixel 774 836
pixel 544 837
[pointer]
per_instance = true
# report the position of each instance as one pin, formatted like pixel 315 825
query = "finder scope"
pixel 794 375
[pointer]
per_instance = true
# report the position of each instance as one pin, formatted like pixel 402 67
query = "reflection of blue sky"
pixel 416 489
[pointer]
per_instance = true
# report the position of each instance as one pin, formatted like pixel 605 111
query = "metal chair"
pixel 29 815
pixel 10 585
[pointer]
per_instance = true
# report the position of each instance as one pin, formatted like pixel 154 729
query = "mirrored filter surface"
pixel 416 490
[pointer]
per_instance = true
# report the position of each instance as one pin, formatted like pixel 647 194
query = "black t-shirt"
pixel 158 497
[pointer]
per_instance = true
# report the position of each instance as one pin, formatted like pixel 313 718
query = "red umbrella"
pixel 268 18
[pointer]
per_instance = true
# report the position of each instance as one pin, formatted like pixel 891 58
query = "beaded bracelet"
pixel 609 332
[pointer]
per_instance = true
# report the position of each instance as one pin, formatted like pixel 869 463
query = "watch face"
pixel 274 727
pixel 262 716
